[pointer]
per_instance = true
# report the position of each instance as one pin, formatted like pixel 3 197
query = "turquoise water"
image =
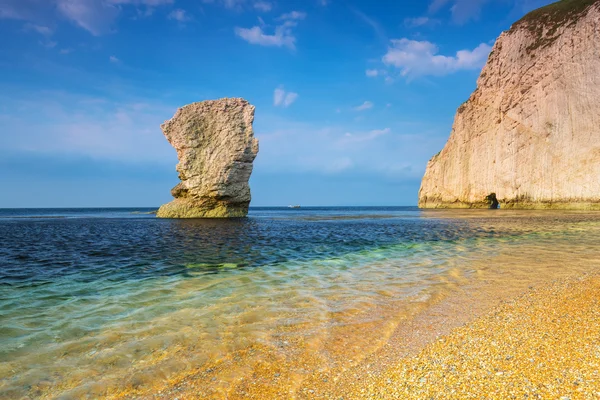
pixel 94 302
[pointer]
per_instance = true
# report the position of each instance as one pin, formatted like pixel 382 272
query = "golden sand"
pixel 544 344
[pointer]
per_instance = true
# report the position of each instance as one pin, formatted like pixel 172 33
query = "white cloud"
pixel 42 30
pixel 263 6
pixel 179 15
pixel 364 106
pixel 282 36
pixel 114 60
pixel 66 51
pixel 420 58
pixel 281 98
pixel 372 73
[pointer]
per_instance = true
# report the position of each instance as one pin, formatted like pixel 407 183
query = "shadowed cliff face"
pixel 530 133
pixel 216 147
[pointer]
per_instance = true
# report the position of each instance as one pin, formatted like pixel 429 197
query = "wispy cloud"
pixel 114 60
pixel 420 58
pixel 263 6
pixel 420 21
pixel 283 35
pixel 241 5
pixel 288 146
pixel 49 44
pixel 42 30
pixel 87 126
pixel 94 16
pixel 369 136
pixel 231 4
pixel 179 15
pixel 294 15
pixel 98 16
pixel 367 105
pixel 376 26
pixel 26 10
pixel 281 98
pixel 372 73
pixel 149 3
pixel 462 10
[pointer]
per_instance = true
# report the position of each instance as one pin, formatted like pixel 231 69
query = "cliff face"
pixel 530 133
pixel 216 147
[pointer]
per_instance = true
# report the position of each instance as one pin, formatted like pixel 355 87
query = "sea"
pixel 116 303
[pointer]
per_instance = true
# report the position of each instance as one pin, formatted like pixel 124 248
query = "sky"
pixel 352 97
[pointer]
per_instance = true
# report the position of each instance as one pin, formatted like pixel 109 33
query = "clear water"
pixel 99 302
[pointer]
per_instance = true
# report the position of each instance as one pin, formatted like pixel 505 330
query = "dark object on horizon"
pixel 493 201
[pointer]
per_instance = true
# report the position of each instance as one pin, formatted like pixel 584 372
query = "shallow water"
pixel 114 301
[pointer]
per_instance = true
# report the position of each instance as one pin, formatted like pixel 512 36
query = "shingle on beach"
pixel 542 345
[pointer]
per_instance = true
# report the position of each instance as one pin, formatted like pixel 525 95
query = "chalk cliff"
pixel 530 133
pixel 216 147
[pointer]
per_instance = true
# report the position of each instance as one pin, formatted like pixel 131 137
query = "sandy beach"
pixel 542 343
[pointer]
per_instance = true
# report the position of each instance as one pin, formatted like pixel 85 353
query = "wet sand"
pixel 541 343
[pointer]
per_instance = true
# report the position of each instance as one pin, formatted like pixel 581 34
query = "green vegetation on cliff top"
pixel 557 13
pixel 544 23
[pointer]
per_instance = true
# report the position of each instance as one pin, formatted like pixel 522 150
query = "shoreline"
pixel 543 342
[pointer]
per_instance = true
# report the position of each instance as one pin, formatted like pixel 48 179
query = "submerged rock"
pixel 530 133
pixel 216 147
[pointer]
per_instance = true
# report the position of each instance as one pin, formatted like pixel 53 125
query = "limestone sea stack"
pixel 216 147
pixel 529 136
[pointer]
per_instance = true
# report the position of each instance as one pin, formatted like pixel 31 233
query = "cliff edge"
pixel 216 147
pixel 529 135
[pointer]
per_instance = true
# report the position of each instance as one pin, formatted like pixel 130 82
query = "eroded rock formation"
pixel 530 133
pixel 216 147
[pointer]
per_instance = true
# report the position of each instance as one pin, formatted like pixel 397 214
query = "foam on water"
pixel 91 306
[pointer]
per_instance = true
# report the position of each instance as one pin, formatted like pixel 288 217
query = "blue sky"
pixel 352 96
